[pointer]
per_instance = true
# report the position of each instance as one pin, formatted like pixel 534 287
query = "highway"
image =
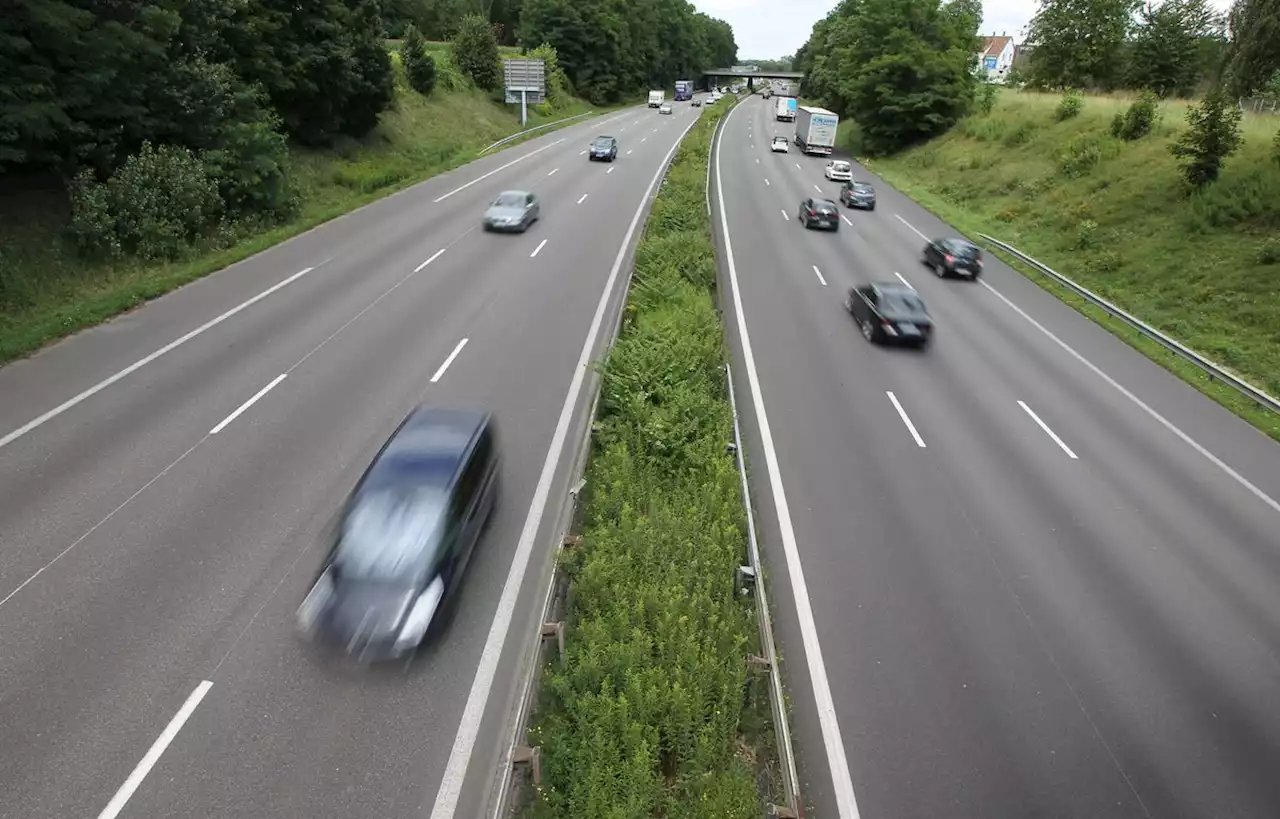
pixel 165 481
pixel 1027 573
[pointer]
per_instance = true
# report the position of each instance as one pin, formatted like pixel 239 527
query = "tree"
pixel 1168 53
pixel 1080 43
pixel 419 68
pixel 901 68
pixel 475 50
pixel 1213 136
pixel 1253 56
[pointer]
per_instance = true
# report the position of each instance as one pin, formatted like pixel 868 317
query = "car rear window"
pixel 840 166
pixel 824 207
pixel 511 200
pixel 861 188
pixel 901 303
pixel 392 533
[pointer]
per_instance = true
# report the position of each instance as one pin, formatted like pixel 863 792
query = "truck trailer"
pixel 816 129
pixel 684 90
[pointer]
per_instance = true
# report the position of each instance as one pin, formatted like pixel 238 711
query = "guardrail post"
pixel 525 755
pixel 555 630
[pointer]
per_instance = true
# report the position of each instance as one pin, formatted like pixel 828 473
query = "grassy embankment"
pixel 1115 217
pixel 46 291
pixel 646 714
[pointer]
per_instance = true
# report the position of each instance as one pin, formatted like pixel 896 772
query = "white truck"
pixel 816 129
pixel 656 98
pixel 784 109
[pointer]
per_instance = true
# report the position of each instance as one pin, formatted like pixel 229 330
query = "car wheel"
pixel 940 270
pixel 868 331
pixel 873 207
pixel 973 277
pixel 848 304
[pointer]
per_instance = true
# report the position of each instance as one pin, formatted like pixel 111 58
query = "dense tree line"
pixel 169 121
pixel 609 48
pixel 903 69
pixel 1171 47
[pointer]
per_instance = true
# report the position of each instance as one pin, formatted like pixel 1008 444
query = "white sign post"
pixel 525 82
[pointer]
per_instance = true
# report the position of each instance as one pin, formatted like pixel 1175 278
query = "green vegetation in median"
pixel 48 289
pixel 645 715
pixel 1099 196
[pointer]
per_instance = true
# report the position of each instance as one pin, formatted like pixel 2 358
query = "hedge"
pixel 644 715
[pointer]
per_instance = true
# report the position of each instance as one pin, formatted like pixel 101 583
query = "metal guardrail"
pixel 1210 368
pixel 777 701
pixel 528 131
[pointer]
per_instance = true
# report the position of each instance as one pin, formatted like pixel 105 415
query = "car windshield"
pixel 901 303
pixel 392 533
pixel 783 140
pixel 604 142
pixel 824 206
pixel 858 187
pixel 840 166
pixel 964 250
pixel 511 200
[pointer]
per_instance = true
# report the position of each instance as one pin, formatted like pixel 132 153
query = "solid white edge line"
pixel 1047 431
pixel 538 249
pixel 240 409
pixel 906 419
pixel 784 214
pixel 842 782
pixel 583 198
pixel 819 275
pixel 153 754
pixel 1142 405
pixel 142 362
pixel 483 177
pixel 464 742
pixel 552 171
pixel 903 279
pixel 766 181
pixel 445 366
pixel 911 226
pixel 434 256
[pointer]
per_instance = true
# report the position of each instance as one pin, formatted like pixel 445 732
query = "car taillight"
pixel 950 259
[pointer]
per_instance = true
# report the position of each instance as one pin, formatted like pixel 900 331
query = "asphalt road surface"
pixel 1043 574
pixel 165 478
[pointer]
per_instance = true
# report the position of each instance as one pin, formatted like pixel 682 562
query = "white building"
pixel 996 58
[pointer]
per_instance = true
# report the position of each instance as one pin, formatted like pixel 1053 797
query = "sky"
pixel 768 29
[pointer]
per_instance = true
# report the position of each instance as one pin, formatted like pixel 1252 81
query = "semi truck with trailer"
pixel 816 129
pixel 684 90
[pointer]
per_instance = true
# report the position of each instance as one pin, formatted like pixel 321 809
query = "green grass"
pixel 652 711
pixel 1114 217
pixel 47 292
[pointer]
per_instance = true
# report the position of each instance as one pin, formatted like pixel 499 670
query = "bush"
pixel 987 98
pixel 1081 155
pixel 1275 148
pixel 475 50
pixel 250 165
pixel 1213 136
pixel 1138 120
pixel 559 89
pixel 1069 106
pixel 153 206
pixel 643 715
pixel 419 68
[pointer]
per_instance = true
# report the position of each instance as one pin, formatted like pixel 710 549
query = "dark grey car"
pixel 512 211
pixel 820 213
pixel 858 195
pixel 404 537
pixel 604 148
pixel 954 257
pixel 888 311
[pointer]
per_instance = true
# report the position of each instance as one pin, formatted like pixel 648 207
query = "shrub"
pixel 1069 106
pixel 1213 136
pixel 1020 134
pixel 153 206
pixel 559 89
pixel 419 67
pixel 1138 120
pixel 1081 155
pixel 987 98
pixel 250 166
pixel 1269 252
pixel 475 50
pixel 1275 148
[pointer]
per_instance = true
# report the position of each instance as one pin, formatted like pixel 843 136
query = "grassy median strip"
pixel 652 711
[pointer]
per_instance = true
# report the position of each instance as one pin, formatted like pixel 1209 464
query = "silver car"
pixel 512 211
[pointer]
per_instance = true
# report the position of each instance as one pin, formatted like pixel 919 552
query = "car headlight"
pixel 424 608
pixel 319 596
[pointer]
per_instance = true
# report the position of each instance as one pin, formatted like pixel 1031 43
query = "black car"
pixel 954 257
pixel 404 536
pixel 888 311
pixel 858 195
pixel 819 213
pixel 604 148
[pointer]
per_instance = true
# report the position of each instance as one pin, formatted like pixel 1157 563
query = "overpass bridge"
pixel 718 76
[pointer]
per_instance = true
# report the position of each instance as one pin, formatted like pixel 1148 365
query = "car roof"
pixel 603 136
pixel 894 287
pixel 511 193
pixel 818 200
pixel 429 446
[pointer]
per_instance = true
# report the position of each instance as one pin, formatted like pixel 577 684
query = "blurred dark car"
pixel 954 257
pixel 858 195
pixel 405 535
pixel 820 213
pixel 888 311
pixel 604 148
pixel 512 211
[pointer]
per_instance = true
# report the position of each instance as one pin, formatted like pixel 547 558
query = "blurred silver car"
pixel 512 211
